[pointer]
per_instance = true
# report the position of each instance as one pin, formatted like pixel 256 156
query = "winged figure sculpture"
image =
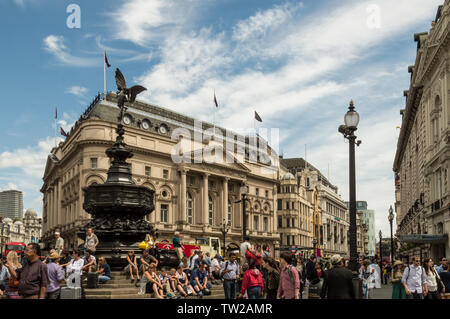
pixel 125 94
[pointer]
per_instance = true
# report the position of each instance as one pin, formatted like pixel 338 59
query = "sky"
pixel 297 63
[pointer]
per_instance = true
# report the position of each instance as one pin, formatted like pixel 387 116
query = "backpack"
pixel 273 278
pixel 291 274
pixel 226 266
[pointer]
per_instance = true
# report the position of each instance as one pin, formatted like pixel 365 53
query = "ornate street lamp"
pixel 314 245
pixel 225 229
pixel 391 219
pixel 244 191
pixel 351 121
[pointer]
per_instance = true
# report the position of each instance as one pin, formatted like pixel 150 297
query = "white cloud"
pixel 54 44
pixel 77 90
pixel 30 160
pixel 138 20
pixel 263 21
pixel 9 186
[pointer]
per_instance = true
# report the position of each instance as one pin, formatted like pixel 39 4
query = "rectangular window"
pixel 266 224
pixel 267 193
pixel 293 222
pixel 166 174
pixel 164 213
pixel 147 171
pixel 94 162
pixel 288 222
pixel 280 204
pixel 211 184
pixel 230 188
pixel 190 180
pixel 256 222
pixel 287 205
pixel 280 222
pixel 257 191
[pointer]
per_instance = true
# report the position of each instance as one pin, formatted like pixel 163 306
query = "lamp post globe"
pixel 351 119
pixel 391 219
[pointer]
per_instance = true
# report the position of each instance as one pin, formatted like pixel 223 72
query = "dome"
pixel 18 223
pixel 288 176
pixel 7 220
pixel 30 213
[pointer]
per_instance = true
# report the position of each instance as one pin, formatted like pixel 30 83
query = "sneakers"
pixel 200 294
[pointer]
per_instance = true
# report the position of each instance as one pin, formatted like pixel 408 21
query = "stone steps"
pixel 121 287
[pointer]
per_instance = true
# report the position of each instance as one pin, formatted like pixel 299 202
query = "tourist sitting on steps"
pixel 154 284
pixel 132 265
pixel 90 264
pixel 104 271
pixel 199 279
pixel 183 285
pixel 165 282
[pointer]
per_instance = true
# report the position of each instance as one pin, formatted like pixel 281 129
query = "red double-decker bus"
pixel 19 248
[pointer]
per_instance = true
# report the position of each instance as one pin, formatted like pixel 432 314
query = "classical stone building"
pixel 422 159
pixel 295 212
pixel 26 231
pixel 330 218
pixel 195 198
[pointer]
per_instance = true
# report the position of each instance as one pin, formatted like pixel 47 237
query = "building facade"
pixel 422 159
pixel 25 231
pixel 195 196
pixel 11 204
pixel 330 217
pixel 295 212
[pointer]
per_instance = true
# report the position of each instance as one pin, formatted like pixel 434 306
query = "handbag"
pixel 13 282
pixel 439 282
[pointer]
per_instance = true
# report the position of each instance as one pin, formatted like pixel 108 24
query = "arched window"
pixel 189 208
pixel 210 211
pixel 230 214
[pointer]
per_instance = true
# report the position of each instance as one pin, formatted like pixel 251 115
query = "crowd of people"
pixel 250 273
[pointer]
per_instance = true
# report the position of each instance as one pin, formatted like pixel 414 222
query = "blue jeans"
pixel 229 287
pixel 254 293
pixel 103 279
pixel 414 295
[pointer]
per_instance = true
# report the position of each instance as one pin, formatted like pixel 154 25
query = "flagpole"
pixel 104 74
pixel 56 116
pixel 214 115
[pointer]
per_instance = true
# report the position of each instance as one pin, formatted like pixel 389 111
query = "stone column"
pixel 59 211
pixel 182 216
pixel 205 199
pixel 225 199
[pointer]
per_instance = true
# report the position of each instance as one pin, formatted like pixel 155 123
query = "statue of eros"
pixel 125 94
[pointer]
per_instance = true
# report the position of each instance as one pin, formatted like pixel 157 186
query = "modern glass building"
pixel 11 204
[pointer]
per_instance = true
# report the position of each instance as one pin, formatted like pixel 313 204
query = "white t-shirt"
pixel 75 265
pixel 215 264
pixel 244 247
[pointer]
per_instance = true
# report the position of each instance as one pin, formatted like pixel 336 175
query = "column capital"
pixel 206 175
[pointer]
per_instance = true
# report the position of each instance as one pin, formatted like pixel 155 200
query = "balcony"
pixel 436 205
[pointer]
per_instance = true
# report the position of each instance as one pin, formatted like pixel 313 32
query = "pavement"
pixel 385 292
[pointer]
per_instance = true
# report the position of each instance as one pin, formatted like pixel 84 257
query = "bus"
pixel 19 248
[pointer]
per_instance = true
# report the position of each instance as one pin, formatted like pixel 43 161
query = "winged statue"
pixel 125 94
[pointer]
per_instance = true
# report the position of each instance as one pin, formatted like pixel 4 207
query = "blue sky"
pixel 298 63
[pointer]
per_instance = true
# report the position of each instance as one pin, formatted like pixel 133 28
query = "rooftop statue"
pixel 125 94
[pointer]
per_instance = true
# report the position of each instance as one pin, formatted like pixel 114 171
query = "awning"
pixel 424 239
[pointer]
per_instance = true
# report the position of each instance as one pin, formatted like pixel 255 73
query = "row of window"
pixel 147 169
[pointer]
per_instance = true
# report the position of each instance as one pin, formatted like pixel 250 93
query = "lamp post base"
pixel 357 286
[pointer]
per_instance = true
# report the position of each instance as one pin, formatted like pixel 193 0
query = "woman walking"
pixel 12 286
pixel 252 282
pixel 272 278
pixel 398 290
pixel 433 280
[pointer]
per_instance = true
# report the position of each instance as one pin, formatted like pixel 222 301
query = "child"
pixel 165 282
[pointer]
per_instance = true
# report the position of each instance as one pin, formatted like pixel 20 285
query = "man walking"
pixel 415 280
pixel 59 245
pixel 243 249
pixel 55 277
pixel 440 267
pixel 289 286
pixel 229 273
pixel 91 241
pixel 311 273
pixel 337 282
pixel 33 276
